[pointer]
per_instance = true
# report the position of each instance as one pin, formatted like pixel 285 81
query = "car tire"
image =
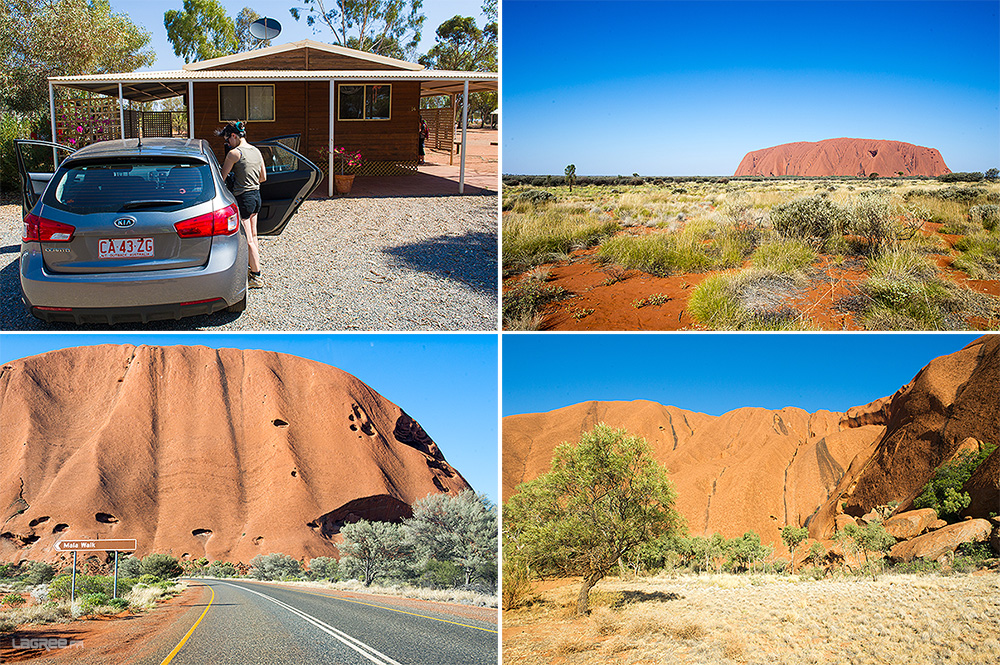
pixel 238 307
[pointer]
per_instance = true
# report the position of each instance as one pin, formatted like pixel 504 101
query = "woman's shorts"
pixel 248 202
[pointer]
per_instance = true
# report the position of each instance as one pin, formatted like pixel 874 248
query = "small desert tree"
pixel 460 529
pixel 371 549
pixel 793 535
pixel 944 491
pixel 571 176
pixel 601 499
pixel 870 539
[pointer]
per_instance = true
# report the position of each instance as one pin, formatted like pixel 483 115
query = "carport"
pixel 329 95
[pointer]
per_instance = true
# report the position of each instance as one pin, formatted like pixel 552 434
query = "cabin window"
pixel 365 102
pixel 250 103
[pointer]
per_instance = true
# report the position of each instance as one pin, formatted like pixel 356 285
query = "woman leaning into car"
pixel 247 164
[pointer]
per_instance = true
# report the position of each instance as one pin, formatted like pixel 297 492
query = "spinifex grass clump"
pixel 980 256
pixel 549 234
pixel 749 300
pixel 905 292
pixel 706 244
pixel 785 256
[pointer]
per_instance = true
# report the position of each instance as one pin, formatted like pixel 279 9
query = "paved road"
pixel 249 623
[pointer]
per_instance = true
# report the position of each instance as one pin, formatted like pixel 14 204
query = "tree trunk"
pixel 583 599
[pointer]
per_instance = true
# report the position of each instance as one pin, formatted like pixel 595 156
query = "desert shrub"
pixel 92 600
pixel 900 264
pixel 130 566
pixel 980 255
pixel 987 215
pixel 323 568
pixel 39 573
pixel 523 301
pixel 11 127
pixel 871 218
pixel 785 256
pixel 810 217
pixel 812 573
pixel 944 491
pixel 275 567
pixel 61 586
pixel 441 574
pixel 162 566
pixel 221 569
pixel 530 197
pixel 12 600
pixel 961 176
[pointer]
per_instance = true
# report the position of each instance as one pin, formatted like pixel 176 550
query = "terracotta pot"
pixel 343 183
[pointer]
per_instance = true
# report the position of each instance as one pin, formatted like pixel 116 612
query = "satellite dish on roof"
pixel 265 28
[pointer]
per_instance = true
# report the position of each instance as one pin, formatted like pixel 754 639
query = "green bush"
pixel 60 586
pixel 275 567
pixel 522 302
pixel 221 569
pixel 871 218
pixel 39 573
pixel 162 566
pixel 12 600
pixel 809 217
pixel 988 215
pixel 11 127
pixel 944 491
pixel 323 568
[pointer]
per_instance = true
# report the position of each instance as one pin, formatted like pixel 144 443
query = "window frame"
pixel 246 101
pixel 364 102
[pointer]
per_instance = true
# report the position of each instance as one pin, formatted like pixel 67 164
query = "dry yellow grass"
pixel 900 619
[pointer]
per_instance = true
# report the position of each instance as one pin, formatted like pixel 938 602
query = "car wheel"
pixel 238 307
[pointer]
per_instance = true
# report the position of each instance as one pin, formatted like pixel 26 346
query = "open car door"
pixel 37 161
pixel 291 178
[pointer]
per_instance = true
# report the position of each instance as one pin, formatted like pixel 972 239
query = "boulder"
pixel 936 544
pixel 843 520
pixel 936 524
pixel 911 523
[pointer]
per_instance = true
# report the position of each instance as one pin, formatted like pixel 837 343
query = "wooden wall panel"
pixel 302 107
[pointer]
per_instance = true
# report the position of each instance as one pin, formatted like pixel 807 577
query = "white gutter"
pixel 190 109
pixel 333 115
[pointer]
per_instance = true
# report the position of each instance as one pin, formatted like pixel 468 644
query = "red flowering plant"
pixel 347 158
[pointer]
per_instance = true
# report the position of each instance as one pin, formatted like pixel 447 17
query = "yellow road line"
pixel 177 648
pixel 382 607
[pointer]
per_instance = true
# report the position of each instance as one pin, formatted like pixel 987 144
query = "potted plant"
pixel 346 158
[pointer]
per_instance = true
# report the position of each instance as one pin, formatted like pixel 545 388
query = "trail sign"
pixel 106 545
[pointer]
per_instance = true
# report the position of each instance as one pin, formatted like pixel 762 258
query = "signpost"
pixel 106 545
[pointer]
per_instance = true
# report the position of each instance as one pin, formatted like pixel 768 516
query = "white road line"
pixel 368 652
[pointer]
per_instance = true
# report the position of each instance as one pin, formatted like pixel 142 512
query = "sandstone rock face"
pixel 911 523
pixel 200 452
pixel 844 156
pixel 758 470
pixel 748 470
pixel 951 399
pixel 936 544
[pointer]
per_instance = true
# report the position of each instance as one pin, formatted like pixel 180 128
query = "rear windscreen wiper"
pixel 150 204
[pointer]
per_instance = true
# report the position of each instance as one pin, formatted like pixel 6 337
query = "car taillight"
pixel 39 229
pixel 224 222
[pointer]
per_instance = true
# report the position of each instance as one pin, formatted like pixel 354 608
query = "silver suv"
pixel 125 231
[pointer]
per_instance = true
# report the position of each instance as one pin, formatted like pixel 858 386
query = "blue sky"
pixel 688 88
pixel 715 373
pixel 149 15
pixel 448 383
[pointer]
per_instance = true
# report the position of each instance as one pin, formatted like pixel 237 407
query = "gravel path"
pixel 422 263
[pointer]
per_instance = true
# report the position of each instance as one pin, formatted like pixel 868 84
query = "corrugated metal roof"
pixel 277 75
pixel 150 86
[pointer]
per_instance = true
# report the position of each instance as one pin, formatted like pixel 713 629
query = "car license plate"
pixel 125 248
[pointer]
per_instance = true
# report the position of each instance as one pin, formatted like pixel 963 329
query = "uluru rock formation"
pixel 754 469
pixel 846 157
pixel 201 452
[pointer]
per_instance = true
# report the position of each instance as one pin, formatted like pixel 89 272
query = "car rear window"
pixel 109 187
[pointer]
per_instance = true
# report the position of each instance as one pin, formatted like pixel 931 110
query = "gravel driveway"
pixel 420 263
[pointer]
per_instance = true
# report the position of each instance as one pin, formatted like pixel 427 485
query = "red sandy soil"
pixel 753 469
pixel 105 640
pixel 199 452
pixel 584 279
pixel 854 157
